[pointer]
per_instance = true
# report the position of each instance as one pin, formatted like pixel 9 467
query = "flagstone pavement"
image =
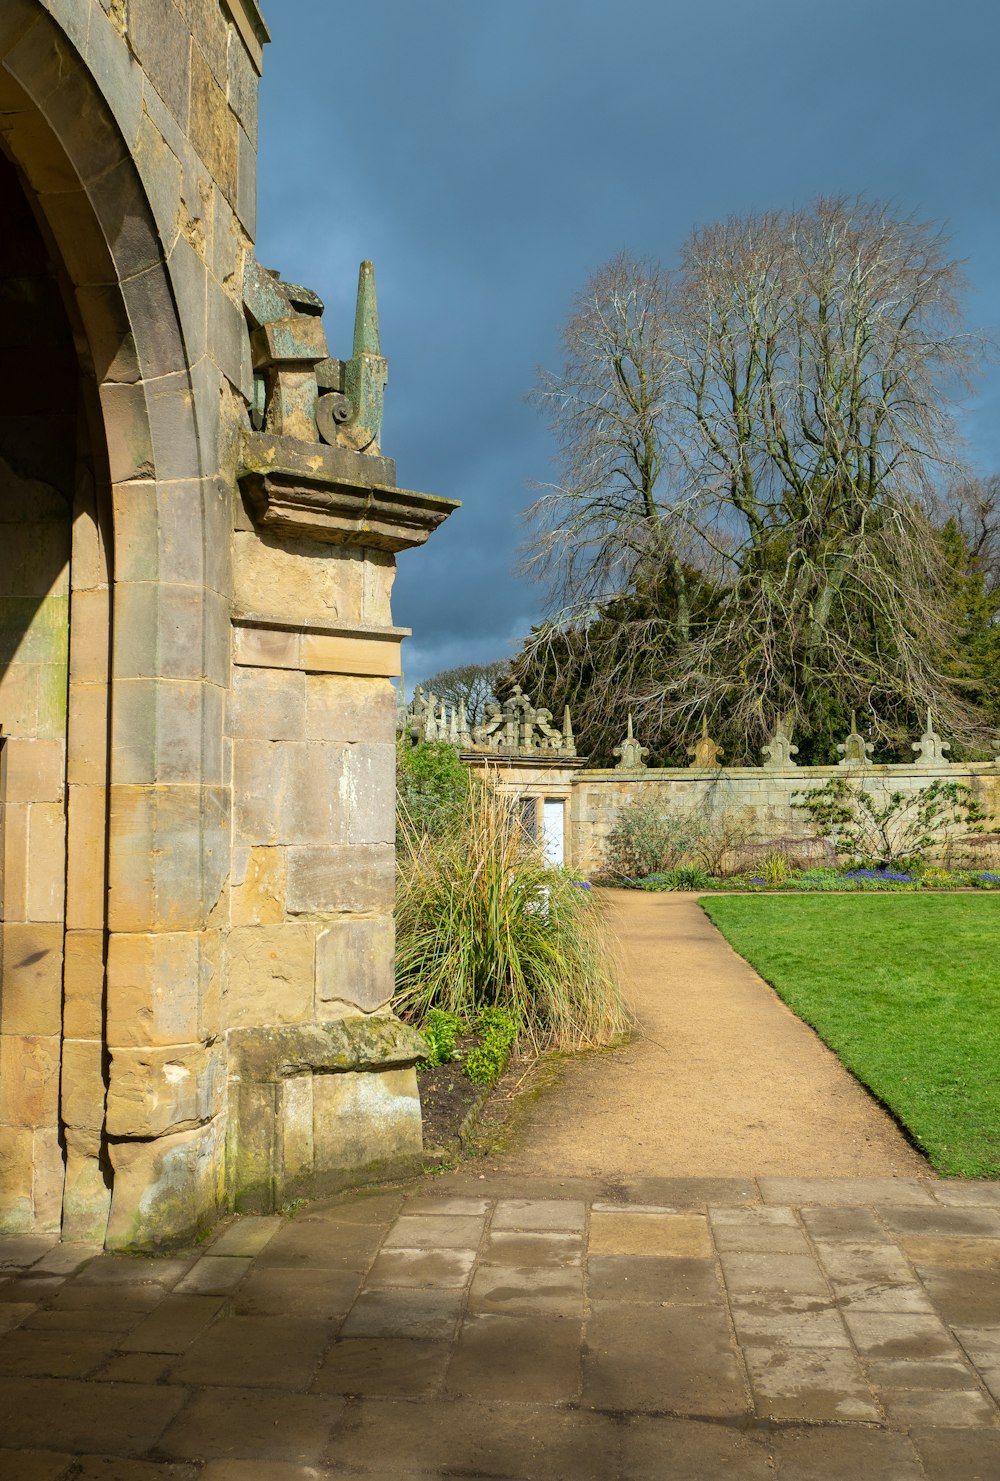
pixel 477 1326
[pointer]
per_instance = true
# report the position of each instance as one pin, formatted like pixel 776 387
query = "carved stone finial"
pixel 366 373
pixel 705 752
pixel 930 747
pixel 464 734
pixel 779 749
pixel 517 728
pixel 855 750
pixel 632 755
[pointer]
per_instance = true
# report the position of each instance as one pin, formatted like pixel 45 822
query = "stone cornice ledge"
pixel 341 648
pixel 252 27
pixel 334 495
pixel 332 629
pixel 343 1045
pixel 541 762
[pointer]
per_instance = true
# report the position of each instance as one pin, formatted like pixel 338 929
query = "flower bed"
pixel 856 880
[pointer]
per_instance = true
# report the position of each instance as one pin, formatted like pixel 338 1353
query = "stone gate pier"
pixel 198 530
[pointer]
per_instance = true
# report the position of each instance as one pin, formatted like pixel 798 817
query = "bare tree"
pixel 473 684
pixel 796 377
pixel 604 522
pixel 977 508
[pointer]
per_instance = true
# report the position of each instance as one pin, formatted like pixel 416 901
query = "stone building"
pixel 197 541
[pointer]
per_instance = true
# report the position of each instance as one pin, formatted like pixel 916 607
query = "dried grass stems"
pixel 481 920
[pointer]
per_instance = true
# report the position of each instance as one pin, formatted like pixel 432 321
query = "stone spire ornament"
pixel 855 750
pixel 366 373
pixel 779 749
pixel 632 755
pixel 705 752
pixel 464 733
pixel 569 739
pixel 930 747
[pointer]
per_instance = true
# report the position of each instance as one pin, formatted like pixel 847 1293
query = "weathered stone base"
pixel 166 1191
pixel 315 1107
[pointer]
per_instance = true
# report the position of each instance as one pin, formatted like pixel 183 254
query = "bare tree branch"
pixel 750 451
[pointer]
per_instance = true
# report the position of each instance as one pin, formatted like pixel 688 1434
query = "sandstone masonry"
pixel 199 532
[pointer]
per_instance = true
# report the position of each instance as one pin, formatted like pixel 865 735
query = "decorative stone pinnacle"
pixel 855 750
pixel 632 755
pixel 779 750
pixel 704 751
pixel 930 747
pixel 366 373
pixel 366 335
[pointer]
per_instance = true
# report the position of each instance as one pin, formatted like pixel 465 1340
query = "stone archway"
pixel 143 805
pixel 42 464
pixel 227 967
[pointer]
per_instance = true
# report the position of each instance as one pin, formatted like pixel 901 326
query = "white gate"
pixel 554 831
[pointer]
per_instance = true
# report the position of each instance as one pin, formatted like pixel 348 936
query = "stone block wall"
pixel 198 725
pixel 753 805
pixel 758 801
pixel 38 470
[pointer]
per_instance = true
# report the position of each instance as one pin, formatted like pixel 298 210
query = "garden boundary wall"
pixel 754 805
pixel 741 811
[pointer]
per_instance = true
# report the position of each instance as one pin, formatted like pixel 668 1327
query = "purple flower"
pixel 889 876
pixel 583 884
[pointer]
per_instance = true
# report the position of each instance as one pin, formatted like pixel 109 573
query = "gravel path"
pixel 721 1079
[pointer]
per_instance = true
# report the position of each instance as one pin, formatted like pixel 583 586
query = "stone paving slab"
pixel 803 1329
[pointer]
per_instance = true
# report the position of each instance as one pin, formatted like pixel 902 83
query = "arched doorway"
pixel 115 813
pixel 54 704
pixel 46 493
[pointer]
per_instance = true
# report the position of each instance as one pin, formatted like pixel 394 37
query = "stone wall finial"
pixel 855 750
pixel 569 739
pixel 514 728
pixel 930 748
pixel 367 372
pixel 779 749
pixel 632 755
pixel 705 752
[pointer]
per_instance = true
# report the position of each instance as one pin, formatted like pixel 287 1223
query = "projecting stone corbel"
pixel 334 495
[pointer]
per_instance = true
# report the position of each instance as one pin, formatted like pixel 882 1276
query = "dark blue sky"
pixel 488 158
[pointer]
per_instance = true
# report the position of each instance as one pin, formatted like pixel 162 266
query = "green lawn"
pixel 906 990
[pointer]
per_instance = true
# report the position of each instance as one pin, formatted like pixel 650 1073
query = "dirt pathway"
pixel 721 1079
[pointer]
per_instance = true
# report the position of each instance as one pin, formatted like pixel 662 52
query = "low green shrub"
pixel 684 877
pixel 441 1030
pixel 432 786
pixel 856 879
pixel 774 867
pixel 647 836
pixel 497 1034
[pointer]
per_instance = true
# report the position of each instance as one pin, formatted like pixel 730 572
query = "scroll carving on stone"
pixel 779 749
pixel 930 748
pixel 514 728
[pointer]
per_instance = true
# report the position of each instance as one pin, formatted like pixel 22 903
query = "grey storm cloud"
pixel 490 158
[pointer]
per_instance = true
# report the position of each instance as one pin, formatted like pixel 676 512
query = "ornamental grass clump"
pixel 481 922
